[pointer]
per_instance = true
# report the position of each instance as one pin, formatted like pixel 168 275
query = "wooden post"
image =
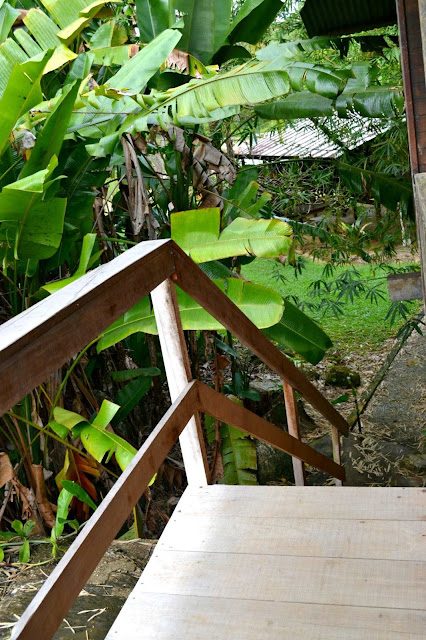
pixel 178 372
pixel 294 430
pixel 335 439
pixel 412 31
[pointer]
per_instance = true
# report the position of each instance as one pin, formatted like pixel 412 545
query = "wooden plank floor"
pixel 274 563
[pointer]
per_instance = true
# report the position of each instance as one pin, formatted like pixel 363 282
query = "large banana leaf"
pixel 72 16
pixel 247 84
pixel 99 442
pixel 130 79
pixel 198 233
pixel 50 139
pixel 386 189
pixel 298 332
pixel 8 16
pixel 302 104
pixel 329 91
pixel 206 26
pixel 370 100
pixel 239 456
pixel 153 18
pixel 238 452
pixel 263 306
pixel 134 75
pixel 252 20
pixel 21 93
pixel 45 33
pixel 32 225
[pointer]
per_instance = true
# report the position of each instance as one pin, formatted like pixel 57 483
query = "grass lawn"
pixel 363 325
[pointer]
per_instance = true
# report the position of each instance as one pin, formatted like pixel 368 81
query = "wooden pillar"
pixel 412 30
pixel 178 372
pixel 337 457
pixel 294 430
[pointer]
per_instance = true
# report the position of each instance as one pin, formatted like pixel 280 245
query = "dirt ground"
pixel 99 602
pixel 390 450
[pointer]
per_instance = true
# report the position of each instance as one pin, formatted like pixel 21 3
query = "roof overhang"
pixel 339 17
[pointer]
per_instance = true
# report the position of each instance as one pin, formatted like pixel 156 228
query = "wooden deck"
pixel 262 563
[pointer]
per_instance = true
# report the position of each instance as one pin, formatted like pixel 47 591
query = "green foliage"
pixel 95 437
pixel 198 233
pixel 298 332
pixel 32 223
pixel 153 18
pixel 392 193
pixel 358 325
pixel 68 187
pixel 238 452
pixel 263 306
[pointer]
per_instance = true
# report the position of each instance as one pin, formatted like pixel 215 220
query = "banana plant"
pixel 198 233
pixel 262 305
pixel 208 32
pixel 237 450
pixel 95 437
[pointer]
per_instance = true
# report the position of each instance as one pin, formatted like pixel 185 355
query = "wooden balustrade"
pixel 45 336
pixel 69 577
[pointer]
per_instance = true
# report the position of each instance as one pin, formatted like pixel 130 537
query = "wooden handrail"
pixel 199 286
pixel 222 408
pixel 62 587
pixel 74 316
pixel 38 341
pixel 52 602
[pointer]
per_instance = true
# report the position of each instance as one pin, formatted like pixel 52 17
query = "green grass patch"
pixel 362 325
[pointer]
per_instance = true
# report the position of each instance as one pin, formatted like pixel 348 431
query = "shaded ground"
pixel 391 449
pixel 96 608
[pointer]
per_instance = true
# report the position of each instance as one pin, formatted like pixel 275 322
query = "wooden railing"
pixel 41 339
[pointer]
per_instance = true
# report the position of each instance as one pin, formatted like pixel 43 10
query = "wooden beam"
pixel 413 74
pixel 220 407
pixel 405 286
pixel 412 29
pixel 196 284
pixel 178 372
pixel 337 453
pixel 50 605
pixel 420 195
pixel 39 340
pixel 294 430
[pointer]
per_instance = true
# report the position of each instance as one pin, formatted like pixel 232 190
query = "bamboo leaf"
pixel 131 374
